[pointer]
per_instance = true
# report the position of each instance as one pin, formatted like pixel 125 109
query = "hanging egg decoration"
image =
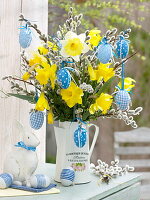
pixel 40 181
pixel 122 100
pixel 64 78
pixel 67 176
pixel 25 36
pixel 80 137
pixel 122 47
pixel 5 180
pixel 36 119
pixel 104 51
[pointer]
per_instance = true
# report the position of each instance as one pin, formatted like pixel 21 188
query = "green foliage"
pixel 106 86
pixel 28 98
pixel 96 12
pixel 51 159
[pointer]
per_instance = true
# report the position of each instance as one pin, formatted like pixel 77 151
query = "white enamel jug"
pixel 72 151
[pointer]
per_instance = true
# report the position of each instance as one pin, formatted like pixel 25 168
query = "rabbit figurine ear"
pixel 20 127
pixel 27 136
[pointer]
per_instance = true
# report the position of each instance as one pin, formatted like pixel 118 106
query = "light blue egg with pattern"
pixel 104 51
pixel 122 100
pixel 40 181
pixel 25 37
pixel 5 180
pixel 36 119
pixel 67 176
pixel 80 137
pixel 122 48
pixel 64 78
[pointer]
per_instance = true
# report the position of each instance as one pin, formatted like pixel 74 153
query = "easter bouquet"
pixel 76 76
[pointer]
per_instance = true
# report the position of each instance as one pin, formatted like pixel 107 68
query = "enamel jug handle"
pixel 94 139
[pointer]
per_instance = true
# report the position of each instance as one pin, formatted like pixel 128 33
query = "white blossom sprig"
pixel 86 87
pixel 127 115
pixel 107 172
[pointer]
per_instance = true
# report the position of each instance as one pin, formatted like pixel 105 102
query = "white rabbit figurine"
pixel 22 161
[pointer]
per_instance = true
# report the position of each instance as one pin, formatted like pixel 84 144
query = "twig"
pixel 24 59
pixel 125 60
pixel 30 83
pixel 4 94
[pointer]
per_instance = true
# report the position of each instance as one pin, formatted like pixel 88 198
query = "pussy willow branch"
pixel 24 58
pixel 30 83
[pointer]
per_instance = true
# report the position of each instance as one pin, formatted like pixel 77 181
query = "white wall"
pixel 12 109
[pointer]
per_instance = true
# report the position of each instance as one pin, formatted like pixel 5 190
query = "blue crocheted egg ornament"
pixel 104 51
pixel 122 100
pixel 80 137
pixel 36 119
pixel 67 176
pixel 5 180
pixel 25 37
pixel 64 78
pixel 122 48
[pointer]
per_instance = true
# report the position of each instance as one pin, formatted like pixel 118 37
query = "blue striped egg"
pixel 67 176
pixel 80 137
pixel 64 78
pixel 104 51
pixel 122 48
pixel 5 180
pixel 122 99
pixel 40 181
pixel 25 37
pixel 36 119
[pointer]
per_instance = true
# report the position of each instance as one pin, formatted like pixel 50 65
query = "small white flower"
pixel 92 166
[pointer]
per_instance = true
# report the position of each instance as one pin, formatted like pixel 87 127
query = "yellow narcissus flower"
pixel 128 83
pixel 45 65
pixel 103 103
pixel 51 70
pixel 26 76
pixel 95 38
pixel 42 103
pixel 42 76
pixel 52 75
pixel 72 95
pixel 43 50
pixel 102 72
pixel 52 46
pixel 92 73
pixel 73 45
pixel 46 73
pixel 50 117
pixel 37 59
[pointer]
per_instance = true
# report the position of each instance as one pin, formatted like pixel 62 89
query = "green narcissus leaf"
pixel 30 99
pixel 105 87
pixel 85 115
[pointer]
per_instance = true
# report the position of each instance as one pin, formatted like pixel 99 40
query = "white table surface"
pixel 91 190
